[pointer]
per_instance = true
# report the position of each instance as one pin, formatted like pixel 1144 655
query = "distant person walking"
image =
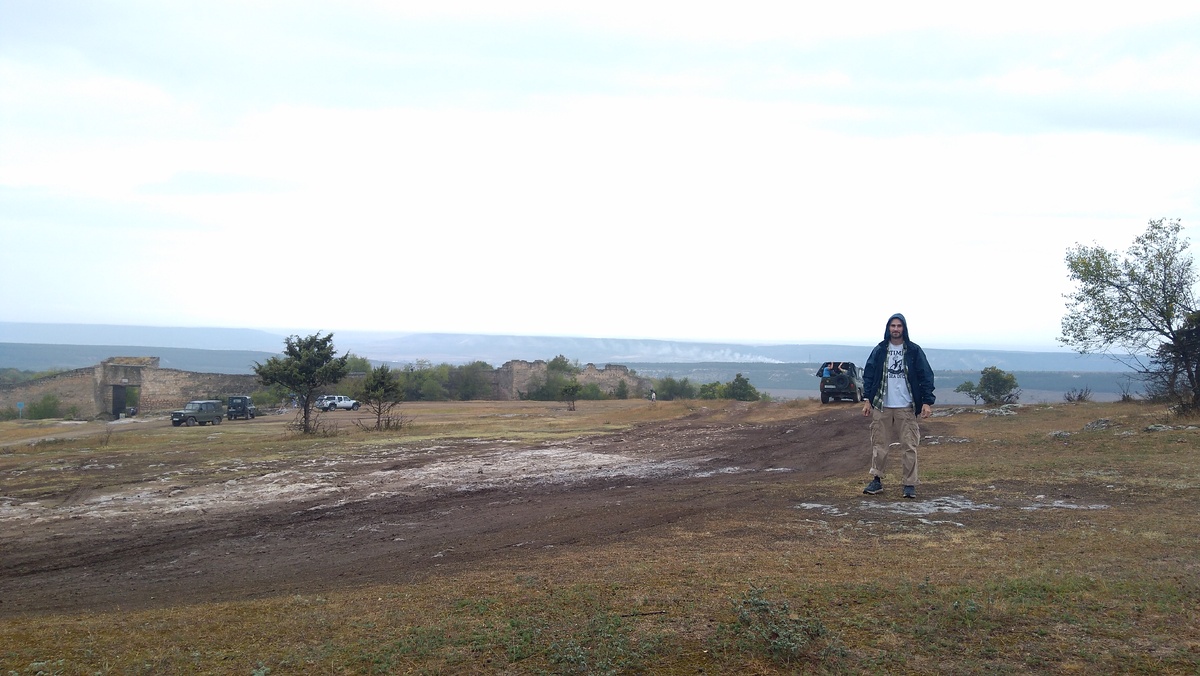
pixel 897 387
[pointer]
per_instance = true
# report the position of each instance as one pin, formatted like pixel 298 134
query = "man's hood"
pixel 887 335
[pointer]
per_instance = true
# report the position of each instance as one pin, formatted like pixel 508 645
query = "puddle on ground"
pixel 1060 504
pixel 953 504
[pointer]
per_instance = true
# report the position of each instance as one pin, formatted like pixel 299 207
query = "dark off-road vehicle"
pixel 198 413
pixel 241 406
pixel 840 380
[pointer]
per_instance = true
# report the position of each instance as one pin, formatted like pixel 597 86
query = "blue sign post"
pixel 20 410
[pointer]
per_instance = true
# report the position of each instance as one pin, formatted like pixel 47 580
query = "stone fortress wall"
pixel 96 391
pixel 515 377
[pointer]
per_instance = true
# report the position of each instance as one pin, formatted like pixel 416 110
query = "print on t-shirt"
pixel 898 395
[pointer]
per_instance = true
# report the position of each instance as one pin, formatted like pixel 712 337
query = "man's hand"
pixel 926 411
pixel 866 409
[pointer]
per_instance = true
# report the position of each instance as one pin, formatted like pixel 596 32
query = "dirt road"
pixel 402 512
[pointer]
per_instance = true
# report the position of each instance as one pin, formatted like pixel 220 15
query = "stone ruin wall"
pixel 513 378
pixel 611 375
pixel 73 389
pixel 90 390
pixel 170 389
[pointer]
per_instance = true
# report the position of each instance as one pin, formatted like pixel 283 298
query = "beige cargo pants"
pixel 900 425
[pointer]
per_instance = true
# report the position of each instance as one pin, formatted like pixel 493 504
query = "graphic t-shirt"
pixel 898 395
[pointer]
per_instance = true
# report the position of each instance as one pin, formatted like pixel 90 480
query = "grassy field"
pixel 1099 572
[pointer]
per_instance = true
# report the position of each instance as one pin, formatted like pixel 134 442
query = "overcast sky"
pixel 766 172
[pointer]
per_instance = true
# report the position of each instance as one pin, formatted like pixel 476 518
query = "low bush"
pixel 1078 396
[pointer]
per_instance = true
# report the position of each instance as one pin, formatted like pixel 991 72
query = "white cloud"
pixel 609 170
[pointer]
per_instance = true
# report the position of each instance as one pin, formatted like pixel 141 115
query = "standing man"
pixel 897 387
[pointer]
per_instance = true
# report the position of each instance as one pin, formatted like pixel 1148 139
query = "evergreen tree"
pixel 308 364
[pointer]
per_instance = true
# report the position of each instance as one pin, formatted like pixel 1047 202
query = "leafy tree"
pixel 133 396
pixel 570 392
pixel 997 386
pixel 1167 376
pixel 432 388
pixel 1143 303
pixel 561 363
pixel 9 375
pixel 433 383
pixel 968 388
pixel 357 364
pixel 622 390
pixel 549 387
pixel 559 373
pixel 424 381
pixel 308 364
pixel 381 392
pixel 471 381
pixel 669 389
pixel 48 406
pixel 740 389
pixel 415 379
pixel 592 392
pixel 274 394
pixel 713 390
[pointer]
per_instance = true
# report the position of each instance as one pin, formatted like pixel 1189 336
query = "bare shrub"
pixel 385 422
pixel 314 425
pixel 1078 395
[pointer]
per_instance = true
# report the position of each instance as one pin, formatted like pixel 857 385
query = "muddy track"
pixel 406 513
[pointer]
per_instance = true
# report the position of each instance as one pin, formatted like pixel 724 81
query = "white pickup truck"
pixel 330 402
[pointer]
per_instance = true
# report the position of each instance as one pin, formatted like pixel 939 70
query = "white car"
pixel 330 402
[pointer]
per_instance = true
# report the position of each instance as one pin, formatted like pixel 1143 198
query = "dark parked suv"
pixel 840 380
pixel 197 413
pixel 240 406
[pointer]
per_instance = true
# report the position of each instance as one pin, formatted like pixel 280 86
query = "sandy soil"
pixel 402 512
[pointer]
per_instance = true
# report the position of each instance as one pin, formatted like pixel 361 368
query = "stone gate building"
pixel 105 390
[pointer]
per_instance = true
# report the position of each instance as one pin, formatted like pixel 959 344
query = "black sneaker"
pixel 910 492
pixel 874 487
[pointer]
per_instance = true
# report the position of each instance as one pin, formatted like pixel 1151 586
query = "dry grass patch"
pixel 1083 561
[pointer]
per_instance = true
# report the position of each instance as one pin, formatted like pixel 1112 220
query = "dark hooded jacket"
pixel 920 375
